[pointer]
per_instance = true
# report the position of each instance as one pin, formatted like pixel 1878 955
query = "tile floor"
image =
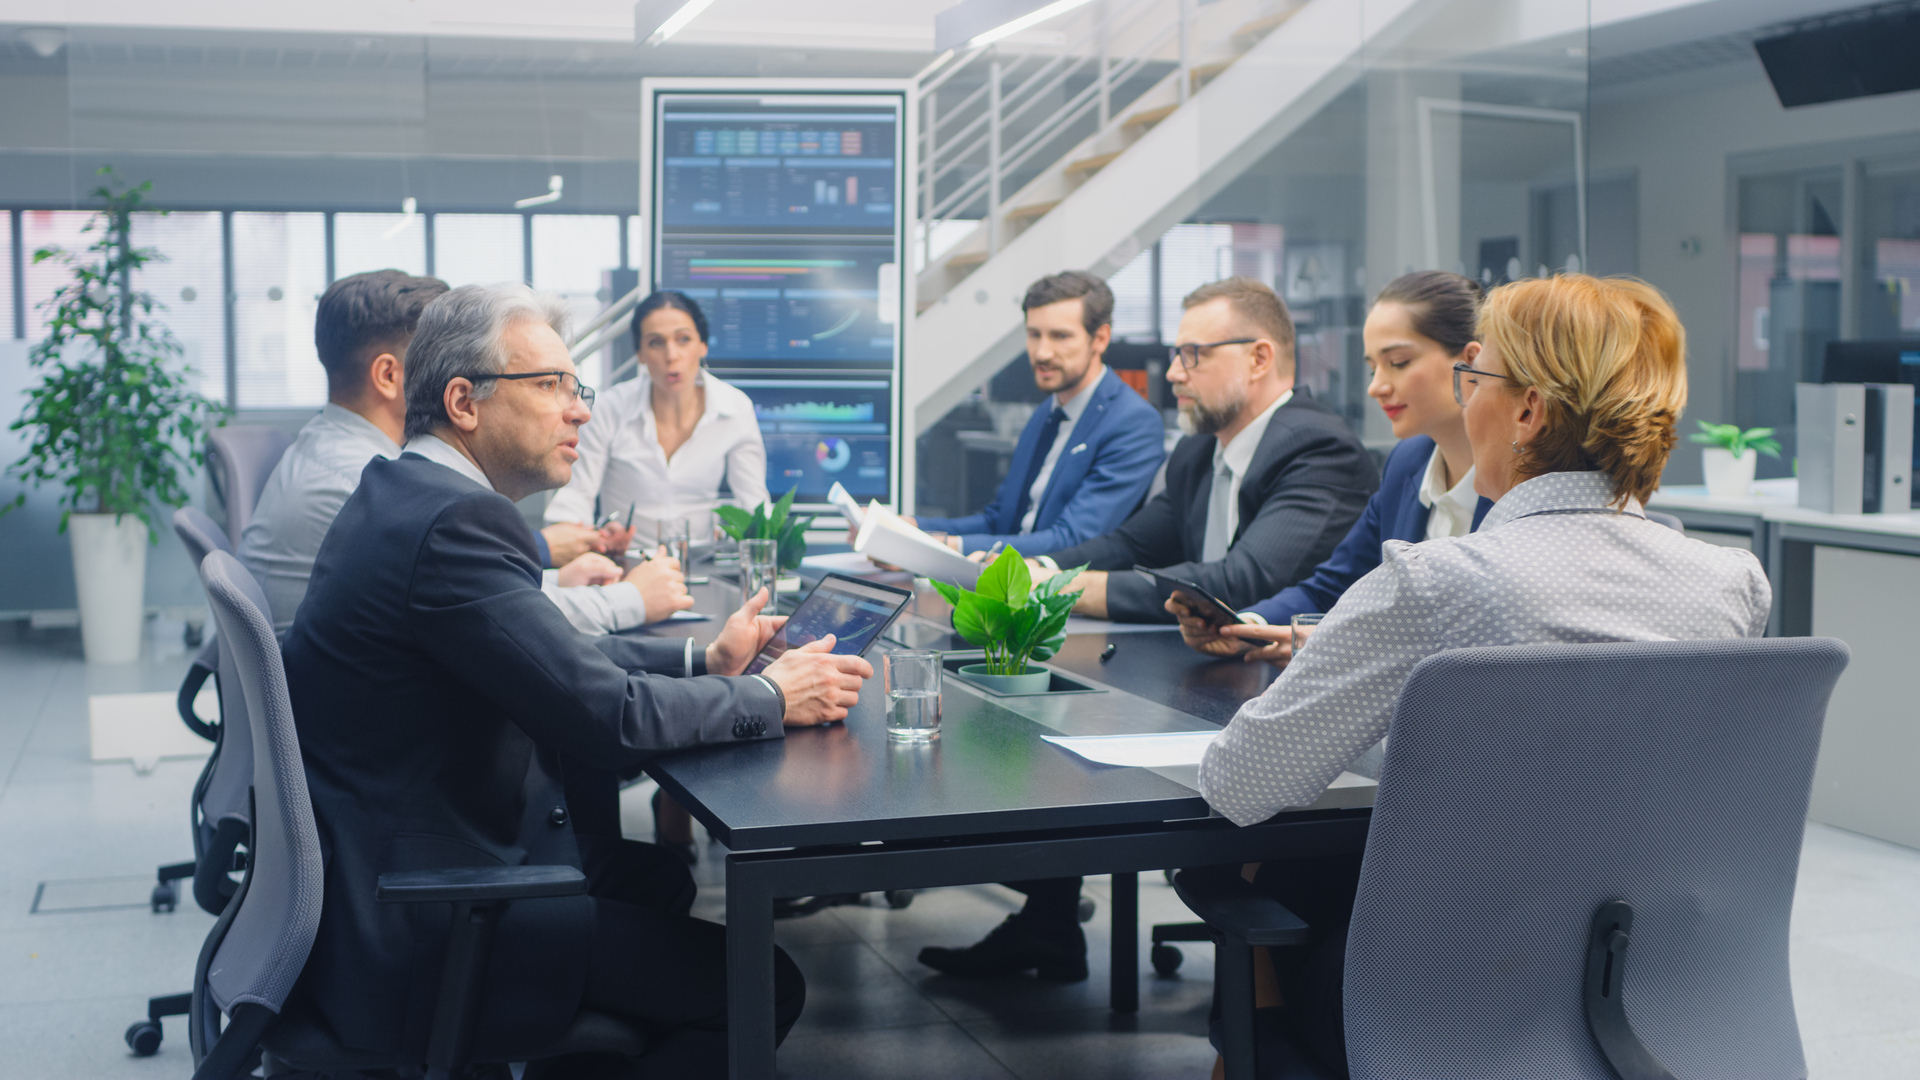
pixel 71 980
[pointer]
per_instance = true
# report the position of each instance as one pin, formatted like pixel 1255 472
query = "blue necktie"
pixel 1049 431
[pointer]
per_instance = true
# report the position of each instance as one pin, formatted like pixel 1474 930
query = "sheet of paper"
pixel 885 538
pixel 1149 751
pixel 848 506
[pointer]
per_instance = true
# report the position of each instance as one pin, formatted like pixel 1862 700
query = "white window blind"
pixel 1132 285
pixel 279 272
pixel 478 249
pixel 186 289
pixel 42 229
pixel 570 253
pixel 6 275
pixel 363 242
pixel 1190 256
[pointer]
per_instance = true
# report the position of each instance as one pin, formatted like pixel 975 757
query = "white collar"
pixel 719 403
pixel 440 452
pixel 342 417
pixel 1238 454
pixel 1078 406
pixel 1461 494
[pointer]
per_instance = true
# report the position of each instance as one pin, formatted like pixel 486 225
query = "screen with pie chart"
pixel 782 215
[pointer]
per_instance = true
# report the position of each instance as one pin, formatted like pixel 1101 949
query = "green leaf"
pixel 1006 579
pixel 734 521
pixel 948 592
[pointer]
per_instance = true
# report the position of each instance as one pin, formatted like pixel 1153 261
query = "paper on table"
pixel 1156 750
pixel 848 506
pixel 885 538
pixel 845 562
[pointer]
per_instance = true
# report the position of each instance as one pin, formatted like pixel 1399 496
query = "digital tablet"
pixel 855 612
pixel 1212 608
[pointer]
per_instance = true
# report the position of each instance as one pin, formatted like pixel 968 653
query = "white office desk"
pixel 1855 577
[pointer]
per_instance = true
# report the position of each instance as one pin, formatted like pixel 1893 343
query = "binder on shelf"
pixel 1855 447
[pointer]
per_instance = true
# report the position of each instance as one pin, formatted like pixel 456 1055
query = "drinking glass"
pixel 676 535
pixel 913 695
pixel 759 569
pixel 1303 627
pixel 726 550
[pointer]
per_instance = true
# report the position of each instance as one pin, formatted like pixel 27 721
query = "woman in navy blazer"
pixel 1420 326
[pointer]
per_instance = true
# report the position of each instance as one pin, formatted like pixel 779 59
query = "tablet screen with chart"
pixel 855 612
pixel 781 215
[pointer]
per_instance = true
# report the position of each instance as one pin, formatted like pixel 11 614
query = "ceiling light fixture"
pixel 45 41
pixel 554 184
pixel 409 208
pixel 1024 22
pixel 677 21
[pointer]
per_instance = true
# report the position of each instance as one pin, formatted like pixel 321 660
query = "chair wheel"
pixel 899 898
pixel 165 897
pixel 1086 910
pixel 1166 959
pixel 143 1038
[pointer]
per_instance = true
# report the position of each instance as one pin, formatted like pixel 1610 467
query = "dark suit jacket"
pixel 1394 513
pixel 441 702
pixel 1309 481
pixel 1099 478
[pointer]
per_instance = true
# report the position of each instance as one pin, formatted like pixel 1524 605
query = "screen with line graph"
pixel 782 214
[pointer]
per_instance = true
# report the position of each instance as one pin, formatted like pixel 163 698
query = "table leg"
pixel 1126 942
pixel 750 1046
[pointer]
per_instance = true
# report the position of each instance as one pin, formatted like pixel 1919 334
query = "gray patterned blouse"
pixel 1551 563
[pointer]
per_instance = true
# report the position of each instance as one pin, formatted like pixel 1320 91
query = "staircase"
pixel 1079 154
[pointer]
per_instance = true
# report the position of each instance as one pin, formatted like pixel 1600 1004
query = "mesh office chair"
pixel 256 950
pixel 1542 808
pixel 240 457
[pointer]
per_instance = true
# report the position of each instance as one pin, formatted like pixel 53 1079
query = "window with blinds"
pixel 479 249
pixel 279 272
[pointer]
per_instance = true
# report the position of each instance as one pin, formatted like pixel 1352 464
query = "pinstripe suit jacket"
pixel 1308 483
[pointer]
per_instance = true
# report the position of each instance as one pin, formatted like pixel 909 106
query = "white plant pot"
pixel 1728 477
pixel 110 573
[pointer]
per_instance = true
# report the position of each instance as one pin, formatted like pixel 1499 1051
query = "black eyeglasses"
pixel 565 390
pixel 1469 369
pixel 1189 355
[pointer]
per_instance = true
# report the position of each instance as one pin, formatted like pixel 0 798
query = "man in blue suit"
pixel 1087 457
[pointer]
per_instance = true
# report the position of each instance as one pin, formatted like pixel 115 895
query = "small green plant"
pixel 1009 616
pixel 1736 441
pixel 113 419
pixel 787 530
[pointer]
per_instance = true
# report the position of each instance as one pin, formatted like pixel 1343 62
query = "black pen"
pixel 1106 654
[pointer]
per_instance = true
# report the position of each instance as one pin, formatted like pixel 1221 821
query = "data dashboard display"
pixel 781 216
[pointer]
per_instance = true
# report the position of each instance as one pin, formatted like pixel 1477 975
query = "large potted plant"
pixel 113 420
pixel 778 523
pixel 1013 620
pixel 1726 461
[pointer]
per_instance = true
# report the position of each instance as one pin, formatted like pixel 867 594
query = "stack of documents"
pixel 883 537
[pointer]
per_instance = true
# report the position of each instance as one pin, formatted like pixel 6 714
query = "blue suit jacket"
pixel 1100 477
pixel 1394 513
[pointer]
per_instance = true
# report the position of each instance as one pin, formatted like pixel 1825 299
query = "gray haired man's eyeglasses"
pixel 565 390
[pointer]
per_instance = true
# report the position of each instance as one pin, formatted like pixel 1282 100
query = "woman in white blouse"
pixel 1571 408
pixel 661 443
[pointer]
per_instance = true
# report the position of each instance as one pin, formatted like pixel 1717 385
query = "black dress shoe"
pixel 685 851
pixel 1056 955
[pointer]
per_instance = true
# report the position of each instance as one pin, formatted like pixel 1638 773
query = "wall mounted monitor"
pixel 783 214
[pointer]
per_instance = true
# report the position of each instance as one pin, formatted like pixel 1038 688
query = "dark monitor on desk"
pixel 1893 361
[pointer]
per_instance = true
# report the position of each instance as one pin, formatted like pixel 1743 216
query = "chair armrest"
pixel 478 884
pixel 1231 905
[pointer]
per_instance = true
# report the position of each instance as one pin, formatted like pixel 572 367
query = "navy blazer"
pixel 446 709
pixel 1394 513
pixel 1307 484
pixel 1097 481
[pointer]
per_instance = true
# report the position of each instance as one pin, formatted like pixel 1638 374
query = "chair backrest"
pixel 225 793
pixel 1526 785
pixel 268 937
pixel 240 457
pixel 200 533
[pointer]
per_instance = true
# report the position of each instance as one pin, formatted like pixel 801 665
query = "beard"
pixel 1199 418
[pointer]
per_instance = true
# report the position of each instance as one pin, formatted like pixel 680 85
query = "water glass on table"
pixel 1303 627
pixel 676 535
pixel 726 550
pixel 759 569
pixel 913 695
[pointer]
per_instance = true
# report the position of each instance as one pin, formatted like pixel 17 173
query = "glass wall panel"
pixel 1890 297
pixel 279 272
pixel 1133 316
pixel 186 289
pixel 479 249
pixel 570 253
pixel 6 275
pixel 363 242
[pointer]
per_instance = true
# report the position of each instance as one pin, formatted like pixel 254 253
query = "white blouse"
pixel 1551 563
pixel 621 461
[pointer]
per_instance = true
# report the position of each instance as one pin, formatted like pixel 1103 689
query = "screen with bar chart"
pixel 781 215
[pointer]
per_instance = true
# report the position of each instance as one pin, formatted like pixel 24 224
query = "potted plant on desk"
pixel 787 530
pixel 1013 620
pixel 113 420
pixel 1726 462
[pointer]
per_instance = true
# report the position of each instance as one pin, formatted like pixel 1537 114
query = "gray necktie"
pixel 1219 506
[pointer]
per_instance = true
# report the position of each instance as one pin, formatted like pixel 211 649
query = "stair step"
pixel 1089 166
pixel 924 306
pixel 1202 74
pixel 1247 36
pixel 1032 211
pixel 1140 122
pixel 965 260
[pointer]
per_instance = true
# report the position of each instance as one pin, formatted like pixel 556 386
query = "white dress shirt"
pixel 303 495
pixel 1450 510
pixel 592 609
pixel 1232 460
pixel 1074 408
pixel 621 461
pixel 1551 563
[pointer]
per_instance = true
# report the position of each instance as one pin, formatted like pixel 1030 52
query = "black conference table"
pixel 842 809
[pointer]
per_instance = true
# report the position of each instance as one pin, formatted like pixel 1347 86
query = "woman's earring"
pixel 1515 444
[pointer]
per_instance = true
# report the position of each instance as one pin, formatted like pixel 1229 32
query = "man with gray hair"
pixel 449 716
